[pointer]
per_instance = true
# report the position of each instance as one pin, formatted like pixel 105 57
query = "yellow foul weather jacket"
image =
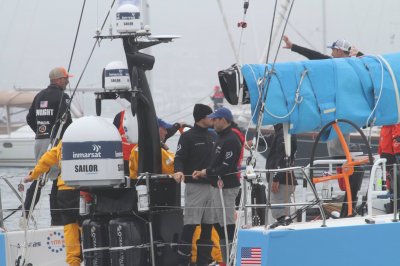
pixel 71 230
pixel 44 164
pixel 167 159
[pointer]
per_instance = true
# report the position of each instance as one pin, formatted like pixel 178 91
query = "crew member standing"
pixel 217 97
pixel 340 49
pixel 223 174
pixel 194 153
pixel 389 148
pixel 283 183
pixel 48 106
pixel 167 130
pixel 167 157
pixel 68 202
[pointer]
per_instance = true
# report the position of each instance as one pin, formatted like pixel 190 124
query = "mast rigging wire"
pixel 283 32
pixel 262 82
pixel 71 56
pixel 230 37
pixel 270 33
pixel 91 53
pixel 61 119
pixel 76 36
pixel 267 74
pixel 245 7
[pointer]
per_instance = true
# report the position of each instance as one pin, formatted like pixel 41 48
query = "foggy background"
pixel 38 35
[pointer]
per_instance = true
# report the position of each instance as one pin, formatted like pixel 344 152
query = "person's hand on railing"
pixel 197 174
pixel 179 177
pixel 27 179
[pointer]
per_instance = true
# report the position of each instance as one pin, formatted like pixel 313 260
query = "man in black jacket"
pixel 48 106
pixel 223 174
pixel 340 49
pixel 194 153
pixel 283 183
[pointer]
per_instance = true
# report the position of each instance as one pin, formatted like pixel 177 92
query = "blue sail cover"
pixel 310 94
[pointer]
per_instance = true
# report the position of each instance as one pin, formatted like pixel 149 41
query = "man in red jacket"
pixel 389 148
pixel 217 97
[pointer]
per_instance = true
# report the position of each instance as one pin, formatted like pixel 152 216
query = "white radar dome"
pixel 116 76
pixel 92 154
pixel 128 19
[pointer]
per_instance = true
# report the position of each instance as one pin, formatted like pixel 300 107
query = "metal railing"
pixel 372 192
pixel 269 205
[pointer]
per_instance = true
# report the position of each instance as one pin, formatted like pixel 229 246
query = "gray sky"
pixel 37 35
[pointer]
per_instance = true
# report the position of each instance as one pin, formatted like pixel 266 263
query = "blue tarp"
pixel 343 88
pixel 3 247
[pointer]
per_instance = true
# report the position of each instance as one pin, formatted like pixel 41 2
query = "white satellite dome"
pixel 128 18
pixel 92 153
pixel 116 76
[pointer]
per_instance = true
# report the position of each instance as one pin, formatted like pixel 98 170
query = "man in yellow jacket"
pixel 68 201
pixel 167 160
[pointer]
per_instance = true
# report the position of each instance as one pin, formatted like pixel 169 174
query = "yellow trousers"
pixel 72 244
pixel 215 252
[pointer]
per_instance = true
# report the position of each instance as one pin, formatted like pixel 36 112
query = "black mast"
pixel 140 97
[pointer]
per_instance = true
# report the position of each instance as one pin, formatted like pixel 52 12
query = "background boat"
pixel 16 138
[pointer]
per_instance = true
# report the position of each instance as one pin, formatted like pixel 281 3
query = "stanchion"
pixel 395 193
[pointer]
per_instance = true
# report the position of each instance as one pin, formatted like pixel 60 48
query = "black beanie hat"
pixel 200 111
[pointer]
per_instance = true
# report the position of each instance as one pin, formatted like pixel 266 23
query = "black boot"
pixel 222 245
pixel 184 253
pixel 204 248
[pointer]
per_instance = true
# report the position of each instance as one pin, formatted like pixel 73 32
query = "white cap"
pixel 341 45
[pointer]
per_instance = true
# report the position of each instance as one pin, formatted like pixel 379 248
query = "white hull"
pixel 46 247
pixel 17 148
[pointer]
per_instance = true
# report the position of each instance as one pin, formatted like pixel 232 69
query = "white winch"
pixel 92 154
pixel 116 76
pixel 128 19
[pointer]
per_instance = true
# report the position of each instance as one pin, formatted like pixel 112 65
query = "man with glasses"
pixel 47 107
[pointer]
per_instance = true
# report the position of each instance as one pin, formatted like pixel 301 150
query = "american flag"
pixel 43 104
pixel 251 256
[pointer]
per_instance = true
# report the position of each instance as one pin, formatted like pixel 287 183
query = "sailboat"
pixel 255 249
pixel 334 96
